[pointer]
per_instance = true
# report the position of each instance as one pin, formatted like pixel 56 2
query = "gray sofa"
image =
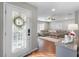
pixel 57 34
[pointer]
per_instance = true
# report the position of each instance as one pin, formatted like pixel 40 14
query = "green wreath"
pixel 19 21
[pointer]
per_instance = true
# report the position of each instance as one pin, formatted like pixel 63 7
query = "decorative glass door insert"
pixel 19 31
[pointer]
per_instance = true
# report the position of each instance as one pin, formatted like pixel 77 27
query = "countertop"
pixel 72 46
pixel 51 39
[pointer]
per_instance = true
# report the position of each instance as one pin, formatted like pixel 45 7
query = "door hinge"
pixel 5 11
pixel 5 33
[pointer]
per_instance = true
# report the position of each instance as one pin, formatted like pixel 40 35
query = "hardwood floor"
pixel 47 50
pixel 42 54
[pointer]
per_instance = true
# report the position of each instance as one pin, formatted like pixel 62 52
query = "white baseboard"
pixel 29 52
pixel 34 49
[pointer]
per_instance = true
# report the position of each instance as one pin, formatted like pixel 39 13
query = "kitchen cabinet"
pixel 65 50
pixel 16 20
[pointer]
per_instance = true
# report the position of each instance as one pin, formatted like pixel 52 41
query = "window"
pixel 40 26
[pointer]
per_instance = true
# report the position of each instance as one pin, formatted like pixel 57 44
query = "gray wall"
pixel 1 29
pixel 77 22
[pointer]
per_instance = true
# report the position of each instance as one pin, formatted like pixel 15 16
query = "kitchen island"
pixel 66 50
pixel 62 50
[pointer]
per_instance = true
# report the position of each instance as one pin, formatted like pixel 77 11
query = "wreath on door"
pixel 19 21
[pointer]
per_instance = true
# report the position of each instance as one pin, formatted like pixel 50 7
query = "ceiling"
pixel 63 9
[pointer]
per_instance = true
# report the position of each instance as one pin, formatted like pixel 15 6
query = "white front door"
pixel 16 21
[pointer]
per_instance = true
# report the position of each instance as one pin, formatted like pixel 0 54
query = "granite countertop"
pixel 51 39
pixel 72 46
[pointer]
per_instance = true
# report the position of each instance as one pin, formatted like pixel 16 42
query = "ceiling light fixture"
pixel 66 18
pixel 53 9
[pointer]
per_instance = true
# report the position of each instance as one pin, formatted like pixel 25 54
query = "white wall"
pixel 60 24
pixel 1 29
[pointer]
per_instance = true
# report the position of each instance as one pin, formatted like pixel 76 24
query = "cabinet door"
pixel 62 51
pixel 17 43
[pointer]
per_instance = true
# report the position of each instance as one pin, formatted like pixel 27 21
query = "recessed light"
pixel 53 9
pixel 66 18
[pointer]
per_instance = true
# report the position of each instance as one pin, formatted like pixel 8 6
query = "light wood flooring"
pixel 47 50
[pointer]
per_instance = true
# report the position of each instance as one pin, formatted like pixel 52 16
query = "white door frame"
pixel 4 29
pixel 4 32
